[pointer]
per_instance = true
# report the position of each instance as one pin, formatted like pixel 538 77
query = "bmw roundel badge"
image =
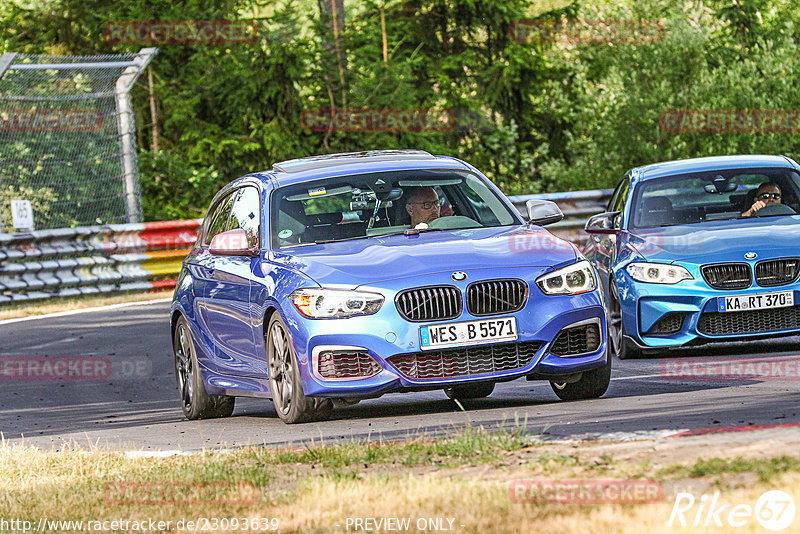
pixel 459 276
pixel 750 256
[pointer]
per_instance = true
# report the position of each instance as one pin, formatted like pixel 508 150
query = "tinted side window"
pixel 489 209
pixel 218 218
pixel 246 214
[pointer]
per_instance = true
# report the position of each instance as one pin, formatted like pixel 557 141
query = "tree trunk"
pixel 333 16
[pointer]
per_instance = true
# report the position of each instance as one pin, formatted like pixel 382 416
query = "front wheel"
pixel 591 385
pixel 290 402
pixel 195 400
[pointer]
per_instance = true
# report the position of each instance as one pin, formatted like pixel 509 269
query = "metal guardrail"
pixel 143 257
pixel 93 259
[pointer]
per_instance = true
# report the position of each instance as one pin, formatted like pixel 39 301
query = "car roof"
pixel 315 167
pixel 683 166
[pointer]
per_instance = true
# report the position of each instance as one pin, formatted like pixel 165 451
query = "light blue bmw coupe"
pixel 348 276
pixel 700 250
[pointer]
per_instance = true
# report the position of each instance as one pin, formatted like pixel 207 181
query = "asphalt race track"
pixel 134 404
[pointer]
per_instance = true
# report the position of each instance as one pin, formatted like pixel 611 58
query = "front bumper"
pixel 661 316
pixel 389 339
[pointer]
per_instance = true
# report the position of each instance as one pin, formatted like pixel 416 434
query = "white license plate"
pixel 467 333
pixel 759 301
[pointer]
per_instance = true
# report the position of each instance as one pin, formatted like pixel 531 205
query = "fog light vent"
pixel 575 340
pixel 670 324
pixel 337 364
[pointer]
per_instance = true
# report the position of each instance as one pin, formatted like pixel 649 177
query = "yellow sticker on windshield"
pixel 316 192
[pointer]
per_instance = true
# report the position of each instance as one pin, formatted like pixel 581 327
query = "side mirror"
pixel 232 243
pixel 543 212
pixel 602 223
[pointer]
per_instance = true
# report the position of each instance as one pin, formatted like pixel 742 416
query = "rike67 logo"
pixel 774 510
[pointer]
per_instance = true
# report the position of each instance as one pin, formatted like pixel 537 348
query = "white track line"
pixel 85 310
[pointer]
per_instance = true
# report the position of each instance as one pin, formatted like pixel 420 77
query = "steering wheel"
pixel 453 222
pixel 775 209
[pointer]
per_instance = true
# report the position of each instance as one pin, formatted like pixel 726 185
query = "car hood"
pixel 721 241
pixel 366 261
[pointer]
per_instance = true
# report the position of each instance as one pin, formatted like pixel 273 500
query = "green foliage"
pixel 172 188
pixel 470 445
pixel 535 117
pixel 766 469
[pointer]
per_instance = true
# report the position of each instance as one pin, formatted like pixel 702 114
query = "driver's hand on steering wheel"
pixel 757 205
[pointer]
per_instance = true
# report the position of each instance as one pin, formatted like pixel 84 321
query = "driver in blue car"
pixel 768 193
pixel 423 207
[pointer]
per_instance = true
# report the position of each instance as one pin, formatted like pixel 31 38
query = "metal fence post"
pixel 5 61
pixel 126 129
pixel 77 111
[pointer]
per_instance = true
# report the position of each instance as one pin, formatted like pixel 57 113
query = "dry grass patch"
pixel 460 482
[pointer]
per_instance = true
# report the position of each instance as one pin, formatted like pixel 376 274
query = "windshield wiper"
pixel 325 241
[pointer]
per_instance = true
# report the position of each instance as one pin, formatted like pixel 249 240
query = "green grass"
pixel 766 470
pixel 471 445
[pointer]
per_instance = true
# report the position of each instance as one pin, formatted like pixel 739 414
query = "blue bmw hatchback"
pixel 348 276
pixel 700 250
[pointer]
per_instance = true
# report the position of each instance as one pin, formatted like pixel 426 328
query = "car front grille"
pixel 491 297
pixel 576 340
pixel 429 303
pixel 749 322
pixel 771 273
pixel 671 323
pixel 728 275
pixel 346 364
pixel 466 361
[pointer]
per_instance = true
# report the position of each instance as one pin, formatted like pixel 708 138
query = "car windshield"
pixel 714 196
pixel 380 204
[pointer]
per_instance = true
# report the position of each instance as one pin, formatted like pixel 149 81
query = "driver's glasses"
pixel 767 196
pixel 427 205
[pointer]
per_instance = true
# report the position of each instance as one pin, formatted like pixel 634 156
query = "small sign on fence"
pixel 22 215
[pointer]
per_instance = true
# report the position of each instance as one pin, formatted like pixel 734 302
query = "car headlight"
pixel 335 303
pixel 570 280
pixel 657 273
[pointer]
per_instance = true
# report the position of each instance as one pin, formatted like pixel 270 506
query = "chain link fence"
pixel 67 139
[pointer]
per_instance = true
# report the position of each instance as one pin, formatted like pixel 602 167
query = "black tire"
pixel 618 344
pixel 290 401
pixel 591 385
pixel 470 391
pixel 195 400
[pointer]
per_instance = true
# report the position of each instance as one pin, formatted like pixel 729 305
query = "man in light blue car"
pixel 700 250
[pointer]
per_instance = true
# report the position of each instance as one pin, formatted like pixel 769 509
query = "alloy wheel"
pixel 184 368
pixel 281 372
